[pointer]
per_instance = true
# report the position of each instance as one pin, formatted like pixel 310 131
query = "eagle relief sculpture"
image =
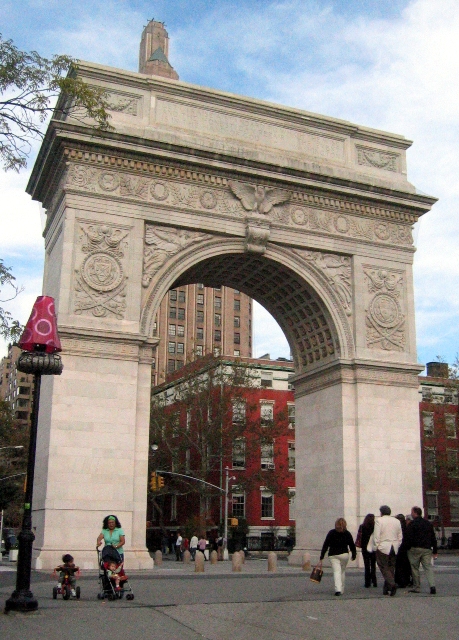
pixel 258 199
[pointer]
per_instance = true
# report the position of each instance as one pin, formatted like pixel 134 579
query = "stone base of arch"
pixel 358 447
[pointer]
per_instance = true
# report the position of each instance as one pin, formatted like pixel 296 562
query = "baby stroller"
pixel 106 586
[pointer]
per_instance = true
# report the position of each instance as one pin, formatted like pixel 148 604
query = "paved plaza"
pixel 174 603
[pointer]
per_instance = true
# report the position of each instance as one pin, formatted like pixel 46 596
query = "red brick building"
pixel 438 410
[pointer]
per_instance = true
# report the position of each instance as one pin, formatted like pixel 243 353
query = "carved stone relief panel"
pixel 378 159
pixel 124 103
pixel 162 243
pixel 100 280
pixel 384 317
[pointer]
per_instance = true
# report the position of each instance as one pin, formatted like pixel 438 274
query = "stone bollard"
pixel 242 554
pixel 199 562
pixel 272 561
pixel 158 558
pixel 306 566
pixel 186 557
pixel 213 557
pixel 236 561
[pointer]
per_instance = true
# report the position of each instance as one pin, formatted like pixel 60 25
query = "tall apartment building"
pixel 439 420
pixel 194 320
pixel 16 387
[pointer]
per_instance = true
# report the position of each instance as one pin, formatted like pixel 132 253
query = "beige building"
pixel 16 387
pixel 194 320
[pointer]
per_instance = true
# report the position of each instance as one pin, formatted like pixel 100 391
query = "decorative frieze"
pixel 256 198
pixel 162 243
pixel 377 159
pixel 384 320
pixel 124 103
pixel 100 280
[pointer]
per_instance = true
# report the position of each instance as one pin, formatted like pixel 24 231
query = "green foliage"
pixel 13 463
pixel 10 329
pixel 29 88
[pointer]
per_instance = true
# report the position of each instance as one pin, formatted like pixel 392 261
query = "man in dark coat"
pixel 422 546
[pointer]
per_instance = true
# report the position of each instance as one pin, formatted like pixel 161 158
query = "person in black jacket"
pixel 369 557
pixel 422 545
pixel 337 543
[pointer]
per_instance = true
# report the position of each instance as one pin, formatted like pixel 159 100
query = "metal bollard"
pixel 199 562
pixel 272 561
pixel 158 558
pixel 306 566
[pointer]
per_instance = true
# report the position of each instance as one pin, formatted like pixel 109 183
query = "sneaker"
pixel 433 591
pixel 73 593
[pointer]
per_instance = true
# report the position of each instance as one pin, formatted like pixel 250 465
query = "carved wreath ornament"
pixel 100 282
pixel 384 320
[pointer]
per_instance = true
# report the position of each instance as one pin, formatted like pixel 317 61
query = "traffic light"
pixel 160 482
pixel 153 483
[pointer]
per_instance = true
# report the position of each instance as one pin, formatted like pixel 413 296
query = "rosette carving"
pixel 385 321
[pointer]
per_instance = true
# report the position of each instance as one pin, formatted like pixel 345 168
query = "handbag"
pixel 358 540
pixel 317 573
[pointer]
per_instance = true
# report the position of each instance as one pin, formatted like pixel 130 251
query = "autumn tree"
pixel 200 419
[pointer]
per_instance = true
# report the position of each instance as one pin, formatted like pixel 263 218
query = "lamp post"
pixel 40 343
pixel 227 479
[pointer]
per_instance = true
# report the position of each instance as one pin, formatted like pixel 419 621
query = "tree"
pixel 10 329
pixel 13 463
pixel 30 85
pixel 200 418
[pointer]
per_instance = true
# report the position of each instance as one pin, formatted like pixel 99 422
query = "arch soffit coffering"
pixel 311 307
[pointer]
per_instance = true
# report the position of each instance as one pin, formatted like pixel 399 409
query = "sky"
pixel 391 65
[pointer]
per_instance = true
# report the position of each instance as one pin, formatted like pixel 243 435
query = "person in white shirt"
pixel 193 546
pixel 388 537
pixel 178 547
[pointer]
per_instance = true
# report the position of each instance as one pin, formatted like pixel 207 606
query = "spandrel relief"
pixel 100 280
pixel 384 319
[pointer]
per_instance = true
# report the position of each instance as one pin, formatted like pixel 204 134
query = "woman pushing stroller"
pixel 112 578
pixel 112 535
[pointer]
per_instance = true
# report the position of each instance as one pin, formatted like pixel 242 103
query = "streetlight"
pixel 227 479
pixel 40 343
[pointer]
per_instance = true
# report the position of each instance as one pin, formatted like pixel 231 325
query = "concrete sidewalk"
pixel 174 603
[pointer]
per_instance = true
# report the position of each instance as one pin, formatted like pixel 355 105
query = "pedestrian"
pixel 193 545
pixel 388 538
pixel 164 544
pixel 202 543
pixel 178 547
pixel 369 556
pixel 338 543
pixel 402 564
pixel 422 546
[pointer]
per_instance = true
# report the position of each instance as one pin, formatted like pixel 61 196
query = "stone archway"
pixel 309 215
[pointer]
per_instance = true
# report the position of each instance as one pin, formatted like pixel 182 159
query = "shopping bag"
pixel 317 573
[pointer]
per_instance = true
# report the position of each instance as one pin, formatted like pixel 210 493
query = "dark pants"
pixel 369 561
pixel 178 552
pixel 386 564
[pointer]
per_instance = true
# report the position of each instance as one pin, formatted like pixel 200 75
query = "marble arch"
pixel 310 215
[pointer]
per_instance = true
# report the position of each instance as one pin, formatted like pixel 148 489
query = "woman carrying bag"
pixel 338 543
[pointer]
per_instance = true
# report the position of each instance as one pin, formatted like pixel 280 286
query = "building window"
pixel 217 319
pixel 237 338
pixel 217 352
pixel 291 503
pixel 173 295
pixel 200 298
pixel 291 416
pixel 239 412
pixel 432 505
pixel 266 379
pixel 181 296
pixel 239 453
pixel 267 504
pixel 431 466
pixel 172 329
pixel 200 333
pixel 171 347
pixel 237 322
pixel 291 456
pixel 238 505
pixel 200 285
pixel 237 305
pixel 181 314
pixel 172 312
pixel 454 505
pixel 180 347
pixel 428 423
pixel 237 353
pixel 218 302
pixel 199 350
pixel 173 507
pixel 155 328
pixel 236 292
pixel 450 424
pixel 180 331
pixel 451 461
pixel 217 288
pixel 266 413
pixel 170 366
pixel 217 335
pixel 199 316
pixel 427 394
pixel 267 455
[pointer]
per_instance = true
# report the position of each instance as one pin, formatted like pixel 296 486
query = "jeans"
pixel 339 564
pixel 417 556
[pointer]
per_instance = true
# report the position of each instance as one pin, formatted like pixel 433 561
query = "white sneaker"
pixel 73 593
pixel 59 585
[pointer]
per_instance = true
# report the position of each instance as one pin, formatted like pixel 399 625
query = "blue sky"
pixel 392 65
